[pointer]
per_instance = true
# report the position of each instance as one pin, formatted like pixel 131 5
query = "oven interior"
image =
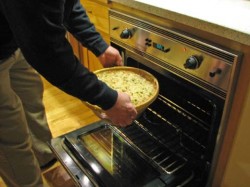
pixel 178 131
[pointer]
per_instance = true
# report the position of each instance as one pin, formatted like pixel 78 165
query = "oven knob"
pixel 126 34
pixel 193 62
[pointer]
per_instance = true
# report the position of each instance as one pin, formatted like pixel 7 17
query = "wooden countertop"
pixel 225 18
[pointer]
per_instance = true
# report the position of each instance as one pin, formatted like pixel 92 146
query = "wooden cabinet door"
pixel 103 1
pixel 93 61
pixel 80 52
pixel 98 14
pixel 84 56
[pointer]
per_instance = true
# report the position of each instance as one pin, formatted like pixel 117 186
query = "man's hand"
pixel 123 113
pixel 111 57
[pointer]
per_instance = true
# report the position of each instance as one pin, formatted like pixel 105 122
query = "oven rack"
pixel 147 145
pixel 163 114
pixel 166 143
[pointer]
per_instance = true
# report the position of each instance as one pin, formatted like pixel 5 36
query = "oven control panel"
pixel 207 63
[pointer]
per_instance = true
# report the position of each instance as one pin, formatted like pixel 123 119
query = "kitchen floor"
pixel 65 114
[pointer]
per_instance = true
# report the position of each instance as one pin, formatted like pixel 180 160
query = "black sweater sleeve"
pixel 85 32
pixel 38 28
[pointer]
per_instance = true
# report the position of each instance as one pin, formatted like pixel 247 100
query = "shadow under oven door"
pixel 98 155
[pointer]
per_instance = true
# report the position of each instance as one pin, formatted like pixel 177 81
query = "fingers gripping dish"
pixel 141 86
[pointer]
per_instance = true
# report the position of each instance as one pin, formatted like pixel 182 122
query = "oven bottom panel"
pixel 100 155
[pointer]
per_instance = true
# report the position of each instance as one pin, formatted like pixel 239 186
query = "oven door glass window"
pixel 113 160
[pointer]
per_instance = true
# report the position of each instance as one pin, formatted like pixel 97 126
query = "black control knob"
pixel 126 34
pixel 193 62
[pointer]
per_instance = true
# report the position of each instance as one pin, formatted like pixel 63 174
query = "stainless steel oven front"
pixel 172 143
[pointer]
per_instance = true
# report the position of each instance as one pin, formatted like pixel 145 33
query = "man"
pixel 36 30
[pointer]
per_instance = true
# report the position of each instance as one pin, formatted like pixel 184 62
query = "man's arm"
pixel 78 24
pixel 39 31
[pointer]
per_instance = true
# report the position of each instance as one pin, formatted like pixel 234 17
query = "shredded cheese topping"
pixel 137 87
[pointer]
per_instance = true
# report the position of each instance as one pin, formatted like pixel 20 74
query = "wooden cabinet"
pixel 98 13
pixel 74 43
pixel 103 1
pixel 78 49
pixel 89 59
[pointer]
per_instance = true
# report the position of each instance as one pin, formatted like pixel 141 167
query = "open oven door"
pixel 99 155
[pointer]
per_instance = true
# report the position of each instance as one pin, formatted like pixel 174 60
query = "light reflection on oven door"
pixel 118 158
pixel 100 145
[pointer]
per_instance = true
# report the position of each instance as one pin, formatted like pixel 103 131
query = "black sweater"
pixel 38 28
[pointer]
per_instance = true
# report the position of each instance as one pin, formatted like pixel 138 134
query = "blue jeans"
pixel 24 129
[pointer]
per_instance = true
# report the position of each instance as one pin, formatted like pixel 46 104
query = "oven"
pixel 173 142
